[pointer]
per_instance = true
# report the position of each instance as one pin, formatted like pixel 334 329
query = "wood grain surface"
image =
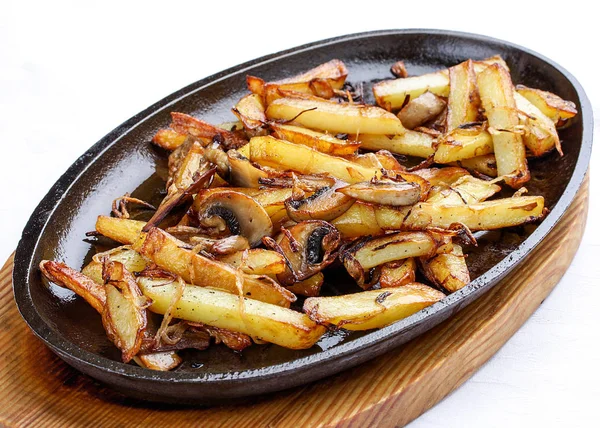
pixel 39 389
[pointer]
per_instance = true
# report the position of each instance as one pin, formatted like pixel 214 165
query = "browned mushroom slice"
pixel 124 315
pixel 325 204
pixel 308 247
pixel 384 192
pixel 310 287
pixel 421 110
pixel 189 172
pixel 232 339
pixel 200 242
pixel 250 110
pixel 241 214
pixel 201 179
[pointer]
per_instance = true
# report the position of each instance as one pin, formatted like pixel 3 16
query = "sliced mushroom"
pixel 325 204
pixel 310 287
pixel 384 192
pixel 308 248
pixel 200 180
pixel 239 213
pixel 422 109
pixel 219 158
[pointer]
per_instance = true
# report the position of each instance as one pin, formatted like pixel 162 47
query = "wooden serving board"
pixel 37 388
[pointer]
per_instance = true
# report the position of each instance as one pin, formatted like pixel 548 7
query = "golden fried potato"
pixel 329 116
pixel 447 270
pixel 281 154
pixel 62 275
pixel 371 309
pixel 167 252
pixel 540 133
pixel 551 105
pixel 411 143
pixel 392 94
pixel 498 101
pixel 218 308
pixel 463 144
pixel 324 143
pixel 398 273
pixel 463 98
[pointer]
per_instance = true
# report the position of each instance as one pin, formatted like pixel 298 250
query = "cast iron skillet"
pixel 125 160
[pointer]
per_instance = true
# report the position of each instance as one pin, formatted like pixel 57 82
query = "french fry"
pixel 122 230
pixel 398 273
pixel 551 105
pixel 169 139
pixel 80 284
pixel 361 220
pixel 484 164
pixel 463 98
pixel 323 115
pixel 438 176
pixel 540 133
pixel 129 258
pixel 447 270
pixel 220 309
pixel 497 98
pixel 463 144
pixel 481 65
pixel 486 215
pixel 465 190
pixel 331 74
pixel 256 261
pixel 411 143
pixel 251 111
pixel 368 253
pixel 365 219
pixel 281 154
pixel 324 143
pixel 164 250
pixel 371 309
pixel 392 94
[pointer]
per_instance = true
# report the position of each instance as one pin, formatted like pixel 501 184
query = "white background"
pixel 71 72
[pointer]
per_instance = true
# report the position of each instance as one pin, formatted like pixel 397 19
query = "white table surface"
pixel 71 72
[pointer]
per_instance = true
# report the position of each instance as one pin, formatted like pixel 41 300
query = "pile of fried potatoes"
pixel 310 178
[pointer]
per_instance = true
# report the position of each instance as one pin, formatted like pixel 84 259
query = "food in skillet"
pixel 310 183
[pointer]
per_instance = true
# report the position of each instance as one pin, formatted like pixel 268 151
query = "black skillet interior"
pixel 125 161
